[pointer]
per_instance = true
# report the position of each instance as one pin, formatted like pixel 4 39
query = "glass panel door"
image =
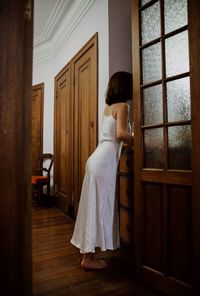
pixel 163 143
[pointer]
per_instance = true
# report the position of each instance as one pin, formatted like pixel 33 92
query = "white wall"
pixel 95 20
pixel 120 51
pixel 44 73
pixel 120 39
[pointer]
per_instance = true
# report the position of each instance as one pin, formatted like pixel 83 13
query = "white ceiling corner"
pixel 54 21
pixel 48 15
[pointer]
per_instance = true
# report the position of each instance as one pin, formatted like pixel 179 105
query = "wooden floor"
pixel 56 269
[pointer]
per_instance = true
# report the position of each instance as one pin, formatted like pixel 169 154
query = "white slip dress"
pixel 97 219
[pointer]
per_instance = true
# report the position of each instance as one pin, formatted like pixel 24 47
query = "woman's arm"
pixel 122 119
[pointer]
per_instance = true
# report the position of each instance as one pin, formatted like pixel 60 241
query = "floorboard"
pixel 56 263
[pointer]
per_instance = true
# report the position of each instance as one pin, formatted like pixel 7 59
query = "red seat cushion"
pixel 39 179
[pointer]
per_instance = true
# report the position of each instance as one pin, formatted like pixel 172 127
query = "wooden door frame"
pixel 16 52
pixel 194 45
pixel 35 87
pixel 137 139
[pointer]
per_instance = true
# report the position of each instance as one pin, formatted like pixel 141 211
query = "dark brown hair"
pixel 119 88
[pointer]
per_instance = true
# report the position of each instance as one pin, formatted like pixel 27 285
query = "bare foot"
pixel 104 262
pixel 91 263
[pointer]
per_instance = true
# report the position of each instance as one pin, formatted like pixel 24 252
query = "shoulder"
pixel 122 110
pixel 122 107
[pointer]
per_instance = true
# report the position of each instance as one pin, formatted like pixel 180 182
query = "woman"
pixel 97 218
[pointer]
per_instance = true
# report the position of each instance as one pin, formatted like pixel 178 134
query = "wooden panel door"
pixel 37 123
pixel 63 149
pixel 166 203
pixel 16 42
pixel 84 67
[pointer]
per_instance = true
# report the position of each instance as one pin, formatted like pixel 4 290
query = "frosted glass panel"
pixel 151 63
pixel 177 56
pixel 152 105
pixel 179 141
pixel 143 2
pixel 150 18
pixel 153 148
pixel 175 14
pixel 178 100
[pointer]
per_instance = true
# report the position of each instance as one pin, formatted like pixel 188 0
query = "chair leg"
pixel 38 194
pixel 35 196
pixel 48 190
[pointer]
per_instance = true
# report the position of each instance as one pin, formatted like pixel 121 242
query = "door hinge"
pixel 28 10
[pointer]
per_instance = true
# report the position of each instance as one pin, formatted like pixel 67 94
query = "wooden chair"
pixel 42 178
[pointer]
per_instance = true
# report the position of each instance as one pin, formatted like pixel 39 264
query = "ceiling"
pixel 54 22
pixel 48 15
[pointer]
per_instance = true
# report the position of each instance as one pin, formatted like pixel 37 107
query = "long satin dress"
pixel 97 219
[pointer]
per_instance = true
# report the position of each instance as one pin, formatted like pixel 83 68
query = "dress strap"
pixel 128 107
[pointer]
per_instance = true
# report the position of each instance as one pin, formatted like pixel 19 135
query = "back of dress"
pixel 108 128
pixel 109 133
pixel 97 219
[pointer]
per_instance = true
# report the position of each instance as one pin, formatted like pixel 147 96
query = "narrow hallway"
pixel 56 270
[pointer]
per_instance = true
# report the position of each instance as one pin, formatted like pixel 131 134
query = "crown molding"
pixel 60 8
pixel 57 32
